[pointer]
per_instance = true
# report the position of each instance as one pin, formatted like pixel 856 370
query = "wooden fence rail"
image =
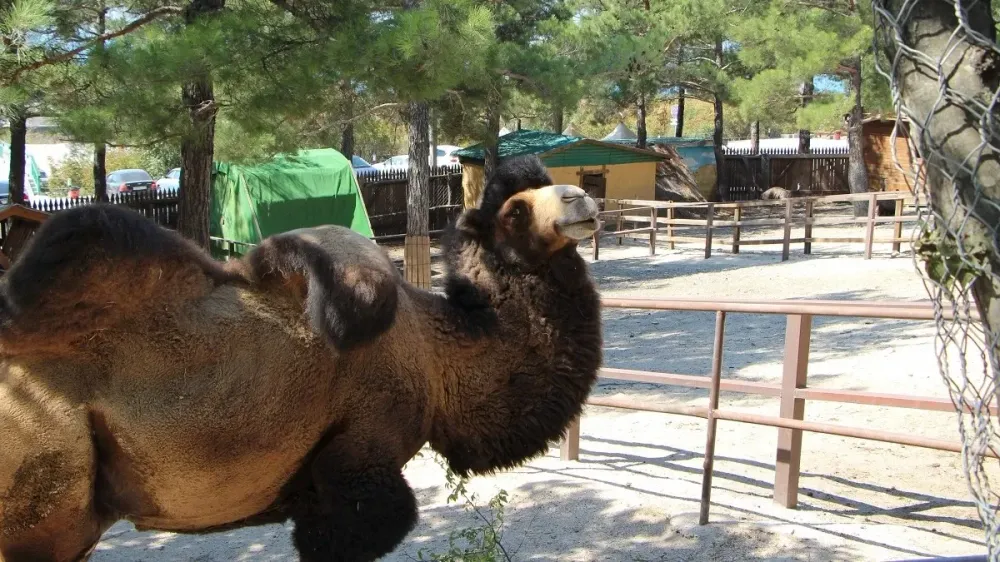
pixel 792 392
pixel 646 220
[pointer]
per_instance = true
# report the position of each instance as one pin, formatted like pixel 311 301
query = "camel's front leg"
pixel 356 507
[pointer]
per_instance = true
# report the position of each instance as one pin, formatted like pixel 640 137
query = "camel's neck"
pixel 532 347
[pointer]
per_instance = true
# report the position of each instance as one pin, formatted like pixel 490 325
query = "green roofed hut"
pixel 310 188
pixel 604 169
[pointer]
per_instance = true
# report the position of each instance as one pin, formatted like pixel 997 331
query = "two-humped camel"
pixel 142 380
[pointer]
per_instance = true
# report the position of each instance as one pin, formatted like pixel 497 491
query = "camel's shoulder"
pixel 88 267
pixel 348 285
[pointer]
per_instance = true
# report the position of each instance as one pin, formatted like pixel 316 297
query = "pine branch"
pixel 65 56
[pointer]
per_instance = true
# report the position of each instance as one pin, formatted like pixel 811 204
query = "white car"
pixel 402 161
pixel 170 182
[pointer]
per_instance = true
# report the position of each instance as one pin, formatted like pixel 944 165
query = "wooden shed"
pixel 882 153
pixel 607 170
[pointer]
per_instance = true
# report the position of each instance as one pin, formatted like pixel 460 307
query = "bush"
pixel 482 542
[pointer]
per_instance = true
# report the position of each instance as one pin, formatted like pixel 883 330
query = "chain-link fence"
pixel 943 62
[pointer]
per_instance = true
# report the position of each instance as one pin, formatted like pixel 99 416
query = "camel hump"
pixel 348 286
pixel 89 267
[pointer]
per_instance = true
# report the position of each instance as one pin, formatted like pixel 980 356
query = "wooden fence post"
pixel 786 239
pixel 870 225
pixel 670 227
pixel 597 244
pixel 808 247
pixel 737 216
pixel 713 405
pixel 652 233
pixel 569 449
pixel 709 218
pixel 897 228
pixel 621 226
pixel 794 374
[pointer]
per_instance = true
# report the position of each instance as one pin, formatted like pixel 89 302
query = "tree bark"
pixel 957 140
pixel 432 125
pixel 18 142
pixel 857 173
pixel 557 118
pixel 721 187
pixel 804 141
pixel 347 141
pixel 198 146
pixel 490 154
pixel 100 148
pixel 100 171
pixel 640 122
pixel 755 137
pixel 679 126
pixel 417 251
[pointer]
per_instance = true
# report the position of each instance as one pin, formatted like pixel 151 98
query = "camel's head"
pixel 523 219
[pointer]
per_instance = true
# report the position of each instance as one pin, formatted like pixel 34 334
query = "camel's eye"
pixel 517 217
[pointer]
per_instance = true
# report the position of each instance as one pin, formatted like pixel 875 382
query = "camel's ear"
pixel 90 268
pixel 346 284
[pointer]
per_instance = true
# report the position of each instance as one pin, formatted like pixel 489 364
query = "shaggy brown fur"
pixel 141 380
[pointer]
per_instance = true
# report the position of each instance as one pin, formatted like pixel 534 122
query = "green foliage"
pixel 482 542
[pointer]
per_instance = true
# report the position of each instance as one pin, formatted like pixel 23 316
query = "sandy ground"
pixel 633 496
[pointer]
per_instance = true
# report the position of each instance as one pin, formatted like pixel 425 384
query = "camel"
pixel 144 381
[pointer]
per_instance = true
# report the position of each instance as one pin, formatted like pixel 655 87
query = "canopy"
pixel 311 188
pixel 621 132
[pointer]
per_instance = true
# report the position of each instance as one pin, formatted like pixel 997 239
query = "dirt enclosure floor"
pixel 633 495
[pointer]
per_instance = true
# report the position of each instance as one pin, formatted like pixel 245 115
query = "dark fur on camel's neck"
pixel 540 319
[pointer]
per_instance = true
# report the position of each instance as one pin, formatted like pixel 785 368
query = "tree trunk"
pixel 557 119
pixel 432 124
pixel 755 137
pixel 857 173
pixel 721 187
pixel 640 122
pixel 100 148
pixel 100 171
pixel 957 141
pixel 347 141
pixel 804 141
pixel 491 157
pixel 679 126
pixel 18 142
pixel 417 250
pixel 198 146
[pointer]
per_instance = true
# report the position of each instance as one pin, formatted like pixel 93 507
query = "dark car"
pixel 362 167
pixel 125 181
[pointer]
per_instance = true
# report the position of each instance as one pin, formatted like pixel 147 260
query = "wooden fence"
pixel 384 194
pixel 639 217
pixel 792 393
pixel 818 173
pixel 156 205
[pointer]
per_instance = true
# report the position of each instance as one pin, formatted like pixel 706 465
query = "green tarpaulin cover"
pixel 310 188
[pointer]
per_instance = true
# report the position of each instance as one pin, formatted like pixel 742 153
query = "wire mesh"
pixel 943 63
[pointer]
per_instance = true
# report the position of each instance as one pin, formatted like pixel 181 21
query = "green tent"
pixel 311 188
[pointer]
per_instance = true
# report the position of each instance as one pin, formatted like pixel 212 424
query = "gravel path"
pixel 633 496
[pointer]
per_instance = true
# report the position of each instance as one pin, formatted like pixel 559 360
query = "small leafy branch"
pixel 482 542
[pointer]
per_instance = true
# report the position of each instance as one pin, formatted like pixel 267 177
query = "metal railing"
pixel 792 392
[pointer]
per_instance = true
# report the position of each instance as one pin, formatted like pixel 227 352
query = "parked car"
pixel 361 166
pixel 400 162
pixel 444 155
pixel 130 181
pixel 171 181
